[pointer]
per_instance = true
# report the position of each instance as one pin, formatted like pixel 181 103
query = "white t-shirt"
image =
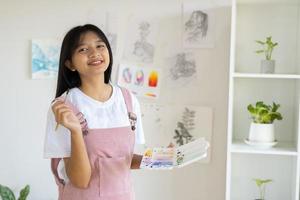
pixel 109 114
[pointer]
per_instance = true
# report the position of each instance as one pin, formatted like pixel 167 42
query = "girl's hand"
pixel 171 145
pixel 65 116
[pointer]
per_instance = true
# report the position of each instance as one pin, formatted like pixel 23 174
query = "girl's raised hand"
pixel 65 116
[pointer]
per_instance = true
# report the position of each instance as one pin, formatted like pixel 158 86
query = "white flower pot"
pixel 267 66
pixel 261 133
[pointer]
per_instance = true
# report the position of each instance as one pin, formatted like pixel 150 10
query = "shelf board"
pixel 271 76
pixel 289 2
pixel 282 148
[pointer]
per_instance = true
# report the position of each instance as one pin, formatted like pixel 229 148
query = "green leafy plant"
pixel 7 194
pixel 267 46
pixel 261 184
pixel 264 114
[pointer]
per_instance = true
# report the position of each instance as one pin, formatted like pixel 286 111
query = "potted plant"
pixel 267 65
pixel 262 126
pixel 261 184
pixel 7 194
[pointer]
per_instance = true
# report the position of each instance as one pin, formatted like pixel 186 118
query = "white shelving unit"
pixel 255 20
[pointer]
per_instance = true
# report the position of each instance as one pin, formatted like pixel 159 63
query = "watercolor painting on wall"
pixel 144 82
pixel 198 25
pixel 45 58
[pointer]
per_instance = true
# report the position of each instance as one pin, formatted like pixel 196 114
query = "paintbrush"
pixel 57 124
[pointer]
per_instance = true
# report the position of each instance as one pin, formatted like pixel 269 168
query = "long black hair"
pixel 68 79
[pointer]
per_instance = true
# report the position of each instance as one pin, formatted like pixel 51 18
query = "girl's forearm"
pixel 78 166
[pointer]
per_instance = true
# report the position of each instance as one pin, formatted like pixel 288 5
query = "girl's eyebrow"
pixel 81 44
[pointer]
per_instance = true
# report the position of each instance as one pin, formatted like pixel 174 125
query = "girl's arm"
pixel 136 161
pixel 77 166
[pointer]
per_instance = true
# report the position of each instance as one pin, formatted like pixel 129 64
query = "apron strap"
pixel 79 114
pixel 128 101
pixel 127 98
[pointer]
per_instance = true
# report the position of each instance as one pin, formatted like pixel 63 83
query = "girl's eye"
pixel 82 50
pixel 101 46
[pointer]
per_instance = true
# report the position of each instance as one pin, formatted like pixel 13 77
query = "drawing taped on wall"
pixel 184 127
pixel 142 48
pixel 184 66
pixel 45 58
pixel 140 41
pixel 142 81
pixel 198 25
pixel 185 123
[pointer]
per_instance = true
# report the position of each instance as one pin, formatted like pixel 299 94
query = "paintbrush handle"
pixel 57 124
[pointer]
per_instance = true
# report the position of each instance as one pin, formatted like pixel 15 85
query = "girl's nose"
pixel 94 54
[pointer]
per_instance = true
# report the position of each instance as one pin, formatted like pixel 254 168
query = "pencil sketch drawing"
pixel 184 127
pixel 196 27
pixel 183 67
pixel 142 48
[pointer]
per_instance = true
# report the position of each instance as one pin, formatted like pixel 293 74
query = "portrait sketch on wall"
pixel 45 58
pixel 198 26
pixel 140 42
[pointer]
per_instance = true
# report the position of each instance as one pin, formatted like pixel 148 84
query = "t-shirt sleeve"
pixel 57 142
pixel 139 131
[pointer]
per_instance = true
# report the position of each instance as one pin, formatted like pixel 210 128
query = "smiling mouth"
pixel 95 63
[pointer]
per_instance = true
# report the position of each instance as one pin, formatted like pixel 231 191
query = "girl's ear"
pixel 68 64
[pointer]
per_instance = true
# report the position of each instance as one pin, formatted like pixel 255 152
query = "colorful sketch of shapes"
pixel 153 78
pixel 126 75
pixel 150 94
pixel 139 78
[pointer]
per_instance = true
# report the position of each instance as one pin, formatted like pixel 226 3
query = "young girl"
pixel 92 124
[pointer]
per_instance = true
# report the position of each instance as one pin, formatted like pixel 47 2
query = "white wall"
pixel 24 102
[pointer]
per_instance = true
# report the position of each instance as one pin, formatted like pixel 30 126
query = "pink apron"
pixel 110 153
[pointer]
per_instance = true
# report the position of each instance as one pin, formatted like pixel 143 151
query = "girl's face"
pixel 91 57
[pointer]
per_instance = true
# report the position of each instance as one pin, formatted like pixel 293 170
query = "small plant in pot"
pixel 267 65
pixel 7 194
pixel 262 126
pixel 261 184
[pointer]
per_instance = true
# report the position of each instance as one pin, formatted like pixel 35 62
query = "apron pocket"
pixel 114 176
